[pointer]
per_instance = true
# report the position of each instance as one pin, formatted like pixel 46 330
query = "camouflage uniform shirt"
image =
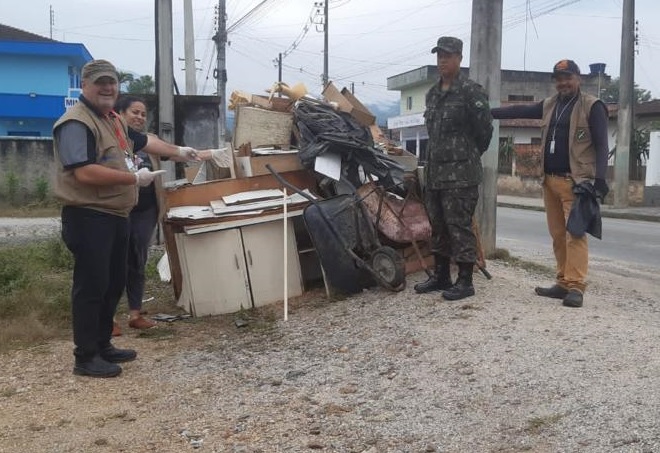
pixel 459 125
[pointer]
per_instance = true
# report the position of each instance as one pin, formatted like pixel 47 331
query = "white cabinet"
pixel 226 270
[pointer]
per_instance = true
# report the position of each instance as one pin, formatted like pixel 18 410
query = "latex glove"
pixel 188 153
pixel 144 177
pixel 221 157
pixel 601 188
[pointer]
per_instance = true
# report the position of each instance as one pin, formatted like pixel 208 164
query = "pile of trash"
pixel 334 136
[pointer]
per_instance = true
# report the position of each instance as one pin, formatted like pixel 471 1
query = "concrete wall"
pixel 26 161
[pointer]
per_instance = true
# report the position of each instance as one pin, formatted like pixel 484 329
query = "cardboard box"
pixel 349 104
pixel 256 165
pixel 262 127
pixel 360 111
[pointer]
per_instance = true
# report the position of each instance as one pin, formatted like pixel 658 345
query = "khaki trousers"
pixel 571 252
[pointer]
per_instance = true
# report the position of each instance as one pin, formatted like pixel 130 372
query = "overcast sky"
pixel 370 40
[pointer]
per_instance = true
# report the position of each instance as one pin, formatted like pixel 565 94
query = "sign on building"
pixel 72 98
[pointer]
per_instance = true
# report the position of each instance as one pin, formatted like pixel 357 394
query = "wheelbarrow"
pixel 347 245
pixel 405 221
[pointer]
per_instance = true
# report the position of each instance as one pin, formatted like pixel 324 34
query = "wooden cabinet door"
pixel 264 254
pixel 216 272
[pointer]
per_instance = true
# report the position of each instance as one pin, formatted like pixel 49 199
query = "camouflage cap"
pixel 448 44
pixel 565 67
pixel 95 69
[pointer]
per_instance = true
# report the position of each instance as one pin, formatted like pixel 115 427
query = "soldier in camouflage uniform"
pixel 459 125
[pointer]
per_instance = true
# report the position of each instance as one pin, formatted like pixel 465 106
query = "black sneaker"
pixel 96 367
pixel 116 355
pixel 554 292
pixel 573 299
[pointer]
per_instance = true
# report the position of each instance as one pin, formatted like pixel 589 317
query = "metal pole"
pixel 485 69
pixel 625 115
pixel 189 42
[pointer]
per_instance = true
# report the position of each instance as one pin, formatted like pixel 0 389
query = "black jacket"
pixel 585 212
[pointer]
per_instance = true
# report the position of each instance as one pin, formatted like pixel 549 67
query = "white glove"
pixel 222 157
pixel 144 177
pixel 188 153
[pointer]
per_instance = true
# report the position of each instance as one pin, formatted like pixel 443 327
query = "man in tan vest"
pixel 575 149
pixel 97 184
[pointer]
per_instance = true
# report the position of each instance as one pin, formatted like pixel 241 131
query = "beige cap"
pixel 96 69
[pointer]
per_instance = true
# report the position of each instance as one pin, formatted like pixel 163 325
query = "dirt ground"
pixel 504 371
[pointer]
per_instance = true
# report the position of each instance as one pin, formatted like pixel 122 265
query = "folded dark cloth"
pixel 585 213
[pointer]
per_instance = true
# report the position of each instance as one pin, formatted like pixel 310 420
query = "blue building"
pixel 39 78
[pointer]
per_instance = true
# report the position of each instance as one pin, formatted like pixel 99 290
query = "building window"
pixel 536 140
pixel 521 97
pixel 411 146
pixel 409 103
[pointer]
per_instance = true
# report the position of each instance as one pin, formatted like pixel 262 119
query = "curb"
pixel 604 213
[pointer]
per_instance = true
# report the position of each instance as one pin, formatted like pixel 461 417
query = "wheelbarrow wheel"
pixel 389 268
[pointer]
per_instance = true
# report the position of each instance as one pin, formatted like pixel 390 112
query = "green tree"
pixel 144 85
pixel 124 79
pixel 610 94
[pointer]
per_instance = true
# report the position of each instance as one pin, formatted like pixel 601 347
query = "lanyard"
pixel 558 116
pixel 119 132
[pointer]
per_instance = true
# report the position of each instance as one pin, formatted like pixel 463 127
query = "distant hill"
pixel 383 111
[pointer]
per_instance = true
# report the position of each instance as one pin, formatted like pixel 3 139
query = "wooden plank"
pixel 261 127
pixel 202 194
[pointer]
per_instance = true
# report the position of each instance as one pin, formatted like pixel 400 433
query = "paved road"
pixel 18 230
pixel 524 232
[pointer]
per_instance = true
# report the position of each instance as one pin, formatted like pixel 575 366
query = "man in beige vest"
pixel 575 149
pixel 97 184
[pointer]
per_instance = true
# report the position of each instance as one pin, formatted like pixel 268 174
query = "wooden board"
pixel 261 127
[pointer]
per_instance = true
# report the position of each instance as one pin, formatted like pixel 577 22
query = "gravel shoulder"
pixel 504 371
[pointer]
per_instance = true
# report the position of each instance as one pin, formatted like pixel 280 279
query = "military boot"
pixel 463 287
pixel 440 280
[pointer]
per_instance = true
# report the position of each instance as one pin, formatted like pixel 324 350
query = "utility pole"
pixel 626 101
pixel 220 39
pixel 189 42
pixel 279 69
pixel 325 43
pixel 485 69
pixel 165 78
pixel 52 20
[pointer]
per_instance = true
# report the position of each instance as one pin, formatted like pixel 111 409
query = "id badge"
pixel 552 147
pixel 130 164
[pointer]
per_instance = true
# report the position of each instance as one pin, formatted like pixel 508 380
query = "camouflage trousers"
pixel 450 213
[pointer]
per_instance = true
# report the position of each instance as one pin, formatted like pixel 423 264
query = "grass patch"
pixel 504 256
pixel 34 293
pixel 44 208
pixel 35 288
